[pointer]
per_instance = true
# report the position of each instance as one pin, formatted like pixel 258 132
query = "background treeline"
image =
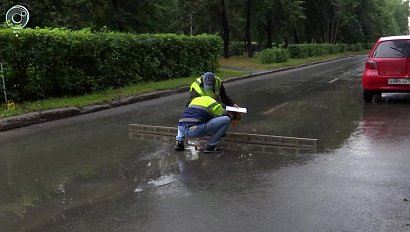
pixel 267 22
pixel 74 47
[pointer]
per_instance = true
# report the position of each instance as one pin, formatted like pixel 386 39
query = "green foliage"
pixel 368 46
pixel 236 48
pixel 356 47
pixel 343 47
pixel 272 21
pixel 299 51
pixel 58 62
pixel 273 55
pixel 307 50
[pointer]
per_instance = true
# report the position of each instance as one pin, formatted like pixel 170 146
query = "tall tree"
pixel 225 28
pixel 292 15
pixel 248 37
pixel 264 21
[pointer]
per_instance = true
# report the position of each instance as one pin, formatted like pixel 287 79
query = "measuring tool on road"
pixel 10 105
pixel 161 133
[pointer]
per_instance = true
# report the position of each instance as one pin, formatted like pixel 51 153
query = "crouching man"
pixel 203 116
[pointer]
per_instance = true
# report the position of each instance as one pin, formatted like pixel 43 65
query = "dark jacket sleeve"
pixel 192 94
pixel 224 97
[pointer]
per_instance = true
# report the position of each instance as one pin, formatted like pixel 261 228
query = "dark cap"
pixel 209 81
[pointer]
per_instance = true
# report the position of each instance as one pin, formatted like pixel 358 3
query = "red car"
pixel 387 67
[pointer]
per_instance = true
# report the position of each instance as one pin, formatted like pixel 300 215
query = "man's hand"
pixel 235 117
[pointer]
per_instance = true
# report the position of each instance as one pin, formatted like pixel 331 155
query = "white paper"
pixel 237 109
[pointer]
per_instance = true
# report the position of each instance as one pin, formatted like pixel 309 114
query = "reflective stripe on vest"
pixel 189 120
pixel 205 103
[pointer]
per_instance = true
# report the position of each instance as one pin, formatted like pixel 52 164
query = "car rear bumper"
pixel 381 84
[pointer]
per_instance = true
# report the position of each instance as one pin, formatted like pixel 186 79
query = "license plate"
pixel 399 81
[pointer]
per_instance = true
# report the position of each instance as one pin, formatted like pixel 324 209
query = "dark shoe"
pixel 179 146
pixel 210 149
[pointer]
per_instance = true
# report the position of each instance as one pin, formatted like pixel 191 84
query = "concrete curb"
pixel 49 115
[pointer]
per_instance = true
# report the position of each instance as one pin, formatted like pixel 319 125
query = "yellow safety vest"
pixel 208 104
pixel 196 85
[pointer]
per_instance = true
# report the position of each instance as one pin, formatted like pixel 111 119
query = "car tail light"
pixel 371 64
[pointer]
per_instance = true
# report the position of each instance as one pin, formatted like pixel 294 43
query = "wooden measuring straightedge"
pixel 232 137
pixel 197 144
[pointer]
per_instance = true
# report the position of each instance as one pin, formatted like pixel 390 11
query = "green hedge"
pixel 43 63
pixel 273 55
pixel 297 51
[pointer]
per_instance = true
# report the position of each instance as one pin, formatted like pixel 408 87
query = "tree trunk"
pixel 322 30
pixel 225 28
pixel 327 31
pixel 248 28
pixel 269 29
pixel 332 26
pixel 295 36
pixel 337 29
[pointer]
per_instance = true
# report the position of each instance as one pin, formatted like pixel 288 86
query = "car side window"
pixel 393 49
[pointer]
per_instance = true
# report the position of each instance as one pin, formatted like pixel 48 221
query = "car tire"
pixel 377 97
pixel 368 96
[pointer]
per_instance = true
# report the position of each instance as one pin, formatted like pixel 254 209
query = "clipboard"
pixel 237 109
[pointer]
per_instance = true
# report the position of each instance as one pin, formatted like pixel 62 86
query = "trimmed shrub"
pixel 42 63
pixel 298 51
pixel 358 47
pixel 273 55
pixel 368 46
pixel 344 47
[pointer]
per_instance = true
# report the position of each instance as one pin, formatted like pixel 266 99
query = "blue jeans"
pixel 215 128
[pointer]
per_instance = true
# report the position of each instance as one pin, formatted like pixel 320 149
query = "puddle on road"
pixel 161 181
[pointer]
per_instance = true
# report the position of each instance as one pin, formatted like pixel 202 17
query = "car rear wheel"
pixel 372 96
pixel 367 96
pixel 377 97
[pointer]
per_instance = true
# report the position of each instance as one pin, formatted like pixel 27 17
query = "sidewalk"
pixel 55 114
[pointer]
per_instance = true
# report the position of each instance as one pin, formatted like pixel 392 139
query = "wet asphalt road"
pixel 85 174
